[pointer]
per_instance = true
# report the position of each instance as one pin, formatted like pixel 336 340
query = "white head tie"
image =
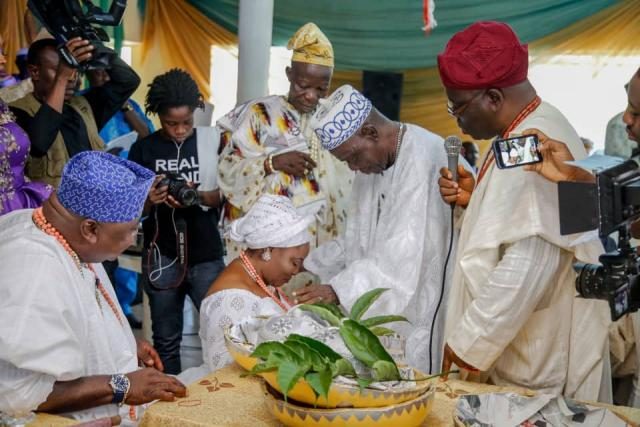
pixel 340 116
pixel 272 222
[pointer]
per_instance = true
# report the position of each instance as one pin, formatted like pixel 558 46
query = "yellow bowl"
pixel 339 396
pixel 407 414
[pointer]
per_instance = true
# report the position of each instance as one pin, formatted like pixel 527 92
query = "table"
pixel 226 399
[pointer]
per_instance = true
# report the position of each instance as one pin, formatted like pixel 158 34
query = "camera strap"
pixel 182 257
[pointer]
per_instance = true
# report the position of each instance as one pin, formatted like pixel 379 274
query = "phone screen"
pixel 516 151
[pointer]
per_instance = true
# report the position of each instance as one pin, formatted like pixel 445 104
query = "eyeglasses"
pixel 458 110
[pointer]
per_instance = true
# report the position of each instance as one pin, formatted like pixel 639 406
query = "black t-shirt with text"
pixel 162 155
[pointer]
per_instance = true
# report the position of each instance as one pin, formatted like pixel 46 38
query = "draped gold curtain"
pixel 175 34
pixel 12 30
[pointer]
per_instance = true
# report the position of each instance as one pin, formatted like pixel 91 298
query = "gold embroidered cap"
pixel 310 45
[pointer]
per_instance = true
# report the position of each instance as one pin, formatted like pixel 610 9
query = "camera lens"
pixel 590 281
pixel 188 196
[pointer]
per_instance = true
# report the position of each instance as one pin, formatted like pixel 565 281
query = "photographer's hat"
pixel 104 187
pixel 339 116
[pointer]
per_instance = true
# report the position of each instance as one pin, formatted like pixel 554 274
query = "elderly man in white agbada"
pixel 397 225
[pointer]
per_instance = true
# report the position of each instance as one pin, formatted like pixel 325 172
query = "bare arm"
pixel 79 394
pixel 137 124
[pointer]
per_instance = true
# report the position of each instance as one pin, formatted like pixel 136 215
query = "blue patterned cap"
pixel 104 187
pixel 339 116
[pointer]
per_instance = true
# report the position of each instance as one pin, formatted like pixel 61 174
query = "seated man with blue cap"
pixel 65 345
pixel 397 225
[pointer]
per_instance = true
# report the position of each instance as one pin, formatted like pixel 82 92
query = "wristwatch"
pixel 120 386
pixel 126 107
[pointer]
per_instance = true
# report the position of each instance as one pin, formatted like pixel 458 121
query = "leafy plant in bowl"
pixel 301 357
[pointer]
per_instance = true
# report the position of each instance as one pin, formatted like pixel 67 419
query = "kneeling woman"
pixel 277 239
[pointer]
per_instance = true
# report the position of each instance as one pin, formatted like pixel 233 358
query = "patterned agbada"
pixel 268 125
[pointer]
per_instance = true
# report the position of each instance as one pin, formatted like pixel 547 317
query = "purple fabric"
pixel 16 192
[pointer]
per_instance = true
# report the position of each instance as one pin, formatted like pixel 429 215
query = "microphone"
pixel 452 145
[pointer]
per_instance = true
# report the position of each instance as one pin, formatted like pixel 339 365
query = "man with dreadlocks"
pixel 183 251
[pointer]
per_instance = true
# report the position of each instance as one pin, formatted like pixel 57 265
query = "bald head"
pixel 631 116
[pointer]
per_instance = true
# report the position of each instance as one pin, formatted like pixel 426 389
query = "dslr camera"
pixel 179 189
pixel 611 205
pixel 66 19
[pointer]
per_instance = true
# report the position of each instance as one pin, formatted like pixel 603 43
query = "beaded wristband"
pixel 270 163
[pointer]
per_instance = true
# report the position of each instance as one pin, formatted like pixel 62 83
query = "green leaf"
pixel 289 372
pixel 342 367
pixel 266 348
pixel 308 354
pixel 318 346
pixel 333 308
pixel 381 320
pixel 264 367
pixel 322 312
pixel 320 382
pixel 381 331
pixel 363 303
pixel 363 344
pixel 385 371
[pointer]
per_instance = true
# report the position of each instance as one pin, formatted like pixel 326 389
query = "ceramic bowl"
pixel 407 414
pixel 340 395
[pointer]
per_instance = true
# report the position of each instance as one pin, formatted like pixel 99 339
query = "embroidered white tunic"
pixel 396 237
pixel 52 326
pixel 512 310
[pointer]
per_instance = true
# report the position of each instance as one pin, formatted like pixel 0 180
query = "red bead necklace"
pixel 41 222
pixel 530 108
pixel 256 278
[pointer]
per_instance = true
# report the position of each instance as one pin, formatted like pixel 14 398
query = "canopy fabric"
pixel 387 35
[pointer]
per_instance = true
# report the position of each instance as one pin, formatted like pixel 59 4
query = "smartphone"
pixel 516 151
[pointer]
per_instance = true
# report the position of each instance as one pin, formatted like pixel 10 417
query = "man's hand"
pixel 148 384
pixel 293 163
pixel 315 293
pixel 148 356
pixel 553 166
pixel 456 192
pixel 449 358
pixel 158 194
pixel 80 49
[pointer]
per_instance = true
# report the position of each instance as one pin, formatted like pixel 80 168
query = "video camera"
pixel 611 205
pixel 66 19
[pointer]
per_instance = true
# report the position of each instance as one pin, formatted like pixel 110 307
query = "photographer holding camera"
pixel 555 153
pixel 59 123
pixel 182 244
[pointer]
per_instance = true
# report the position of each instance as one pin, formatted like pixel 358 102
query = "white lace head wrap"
pixel 272 222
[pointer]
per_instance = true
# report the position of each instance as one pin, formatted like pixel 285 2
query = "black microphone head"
pixel 452 145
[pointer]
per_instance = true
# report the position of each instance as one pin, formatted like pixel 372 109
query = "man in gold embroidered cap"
pixel 269 146
pixel 511 312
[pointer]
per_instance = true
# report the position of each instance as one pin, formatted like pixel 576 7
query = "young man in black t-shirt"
pixel 183 247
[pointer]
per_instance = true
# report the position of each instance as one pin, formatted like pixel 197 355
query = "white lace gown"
pixel 222 309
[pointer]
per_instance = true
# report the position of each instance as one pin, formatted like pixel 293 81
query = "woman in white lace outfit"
pixel 277 239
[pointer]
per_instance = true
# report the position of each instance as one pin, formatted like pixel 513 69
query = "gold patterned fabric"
pixel 310 45
pixel 223 398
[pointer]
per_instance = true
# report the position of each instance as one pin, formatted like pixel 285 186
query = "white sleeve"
pixel 327 260
pixel 218 311
pixel 408 241
pixel 513 291
pixel 40 335
pixel 21 390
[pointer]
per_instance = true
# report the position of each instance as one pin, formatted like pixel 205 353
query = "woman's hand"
pixel 316 293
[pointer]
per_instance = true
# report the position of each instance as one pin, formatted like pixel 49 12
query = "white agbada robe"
pixel 396 237
pixel 512 309
pixel 52 328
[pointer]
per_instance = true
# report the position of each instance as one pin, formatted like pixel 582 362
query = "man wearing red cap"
pixel 512 315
